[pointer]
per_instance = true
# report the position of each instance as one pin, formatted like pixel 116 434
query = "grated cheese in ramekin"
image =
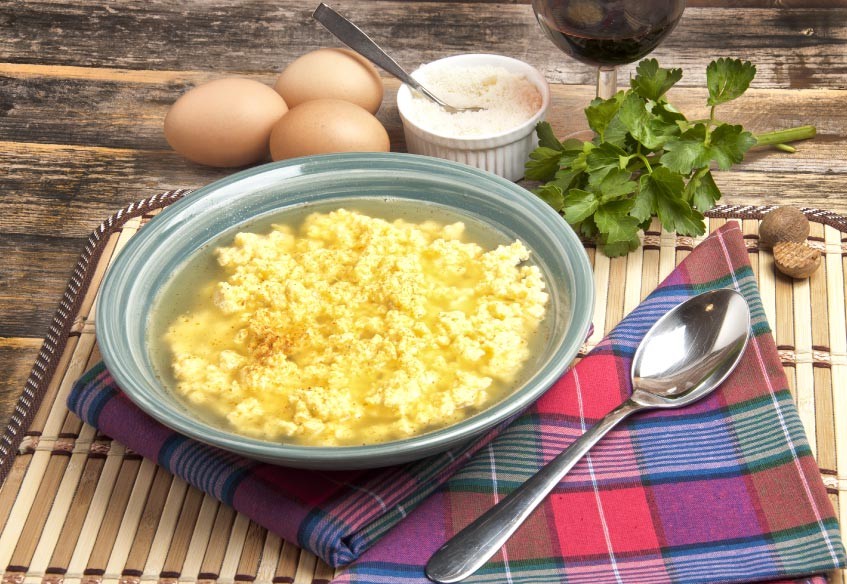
pixel 508 99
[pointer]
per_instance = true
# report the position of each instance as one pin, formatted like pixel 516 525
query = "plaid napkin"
pixel 725 490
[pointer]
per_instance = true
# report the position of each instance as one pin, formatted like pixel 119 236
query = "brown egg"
pixel 322 126
pixel 225 122
pixel 331 74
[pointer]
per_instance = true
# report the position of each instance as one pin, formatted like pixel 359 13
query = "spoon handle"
pixel 469 549
pixel 352 36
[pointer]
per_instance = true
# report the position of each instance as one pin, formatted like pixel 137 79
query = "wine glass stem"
pixel 607 78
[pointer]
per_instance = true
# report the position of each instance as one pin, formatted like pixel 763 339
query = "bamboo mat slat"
pixel 131 518
pixel 78 508
pixel 166 529
pixel 235 545
pixel 200 538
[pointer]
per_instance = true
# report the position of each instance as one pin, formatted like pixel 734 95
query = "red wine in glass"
pixel 607 33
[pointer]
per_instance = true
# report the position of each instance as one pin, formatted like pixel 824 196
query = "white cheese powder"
pixel 508 99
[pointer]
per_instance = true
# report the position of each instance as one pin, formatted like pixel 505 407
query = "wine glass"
pixel 607 33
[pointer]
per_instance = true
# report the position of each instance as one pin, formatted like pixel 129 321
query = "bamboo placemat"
pixel 77 507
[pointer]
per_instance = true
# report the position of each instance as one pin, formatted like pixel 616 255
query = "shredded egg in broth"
pixel 350 329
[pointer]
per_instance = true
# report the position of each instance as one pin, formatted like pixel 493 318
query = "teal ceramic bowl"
pixel 212 214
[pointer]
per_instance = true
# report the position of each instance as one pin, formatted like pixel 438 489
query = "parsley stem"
pixel 783 136
pixel 709 123
pixel 646 162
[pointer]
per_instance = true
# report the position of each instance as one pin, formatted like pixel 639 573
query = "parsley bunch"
pixel 646 158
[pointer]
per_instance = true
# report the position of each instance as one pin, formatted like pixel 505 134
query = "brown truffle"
pixel 795 259
pixel 783 224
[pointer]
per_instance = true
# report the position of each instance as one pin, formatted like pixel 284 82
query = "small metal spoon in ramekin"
pixel 352 36
pixel 684 356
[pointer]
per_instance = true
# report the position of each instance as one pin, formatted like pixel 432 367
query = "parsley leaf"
pixel 729 144
pixel 552 195
pixel 615 223
pixel 588 228
pixel 668 113
pixel 702 192
pixel 617 134
pixel 615 184
pixel 647 129
pixel 551 155
pixel 579 205
pixel 546 137
pixel 600 113
pixel 572 144
pixel 689 152
pixel 645 200
pixel 727 79
pixel 566 178
pixel 622 247
pixel 675 213
pixel 543 163
pixel 651 81
pixel 606 157
pixel 646 158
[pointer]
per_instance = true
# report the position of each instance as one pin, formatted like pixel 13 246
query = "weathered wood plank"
pixel 94 182
pixel 121 110
pixel 765 3
pixel 35 270
pixel 65 191
pixel 793 47
pixel 17 357
pixel 718 3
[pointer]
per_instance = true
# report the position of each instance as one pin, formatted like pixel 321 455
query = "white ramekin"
pixel 503 153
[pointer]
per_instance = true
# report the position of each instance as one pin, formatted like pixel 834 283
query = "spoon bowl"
pixel 684 356
pixel 690 350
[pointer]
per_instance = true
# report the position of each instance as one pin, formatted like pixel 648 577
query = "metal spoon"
pixel 685 355
pixel 352 36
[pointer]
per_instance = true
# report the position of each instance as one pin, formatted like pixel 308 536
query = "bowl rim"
pixel 404 97
pixel 282 453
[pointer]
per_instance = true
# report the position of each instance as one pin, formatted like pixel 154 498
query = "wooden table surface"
pixel 85 87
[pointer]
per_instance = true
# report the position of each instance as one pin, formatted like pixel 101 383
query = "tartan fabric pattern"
pixel 725 490
pixel 336 515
